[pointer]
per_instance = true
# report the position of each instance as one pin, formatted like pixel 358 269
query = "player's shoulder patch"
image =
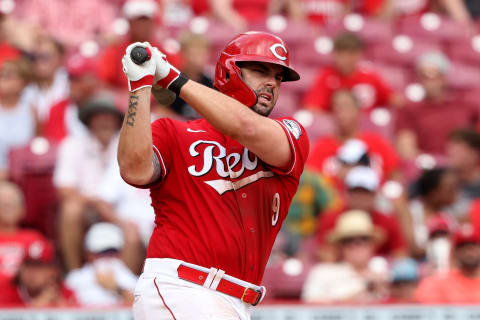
pixel 293 127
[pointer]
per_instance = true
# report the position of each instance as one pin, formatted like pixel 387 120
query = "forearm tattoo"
pixel 132 110
pixel 157 168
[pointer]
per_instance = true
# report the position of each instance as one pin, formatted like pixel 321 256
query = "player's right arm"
pixel 138 163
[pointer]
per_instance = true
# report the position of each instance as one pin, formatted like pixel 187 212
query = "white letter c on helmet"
pixel 273 50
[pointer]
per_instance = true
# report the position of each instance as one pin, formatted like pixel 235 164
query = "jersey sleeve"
pixel 299 144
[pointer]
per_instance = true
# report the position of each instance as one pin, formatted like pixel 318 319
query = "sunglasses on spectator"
pixel 355 240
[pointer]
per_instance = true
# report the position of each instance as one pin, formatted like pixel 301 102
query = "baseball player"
pixel 220 186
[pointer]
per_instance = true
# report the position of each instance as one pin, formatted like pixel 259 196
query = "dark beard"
pixel 261 111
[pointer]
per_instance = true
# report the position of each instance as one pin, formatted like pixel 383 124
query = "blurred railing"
pixel 273 312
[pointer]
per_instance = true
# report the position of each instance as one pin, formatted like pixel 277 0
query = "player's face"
pixel 265 79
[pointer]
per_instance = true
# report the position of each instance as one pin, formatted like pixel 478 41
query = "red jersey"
pixel 217 204
pixel 365 84
pixel 13 249
pixel 383 157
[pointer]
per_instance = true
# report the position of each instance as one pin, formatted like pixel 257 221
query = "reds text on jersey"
pixel 217 204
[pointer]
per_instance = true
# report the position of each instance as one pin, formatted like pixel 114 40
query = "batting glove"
pixel 139 76
pixel 166 75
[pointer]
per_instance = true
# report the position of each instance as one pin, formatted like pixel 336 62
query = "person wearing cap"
pixel 38 282
pixel 141 15
pixel 349 145
pixel 347 73
pixel 63 120
pixel 362 185
pixel 351 279
pixel 404 278
pixel 424 126
pixel 461 283
pixel 18 121
pixel 104 280
pixel 81 164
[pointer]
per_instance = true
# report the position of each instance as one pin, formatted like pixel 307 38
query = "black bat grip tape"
pixel 139 55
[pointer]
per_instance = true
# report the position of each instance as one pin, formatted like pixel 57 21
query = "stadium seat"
pixel 462 76
pixel 402 50
pixel 369 29
pixel 285 279
pixel 31 168
pixel 287 104
pixel 433 27
pixel 395 76
pixel 465 50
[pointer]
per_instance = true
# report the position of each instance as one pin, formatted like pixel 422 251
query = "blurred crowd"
pixel 387 210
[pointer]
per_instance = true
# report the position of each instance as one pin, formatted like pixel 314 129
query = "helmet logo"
pixel 273 49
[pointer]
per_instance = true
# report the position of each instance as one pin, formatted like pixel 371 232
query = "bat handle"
pixel 140 54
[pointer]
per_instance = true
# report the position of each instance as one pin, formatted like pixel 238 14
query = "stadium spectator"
pixel 347 73
pixel 17 117
pixel 352 279
pixel 437 192
pixel 81 164
pixel 195 50
pixel 130 209
pixel 404 278
pixel 104 280
pixel 15 242
pixel 350 145
pixel 362 184
pixel 50 77
pixel 424 126
pixel 63 120
pixel 463 157
pixel 71 22
pixel 460 284
pixel 38 282
pixel 140 15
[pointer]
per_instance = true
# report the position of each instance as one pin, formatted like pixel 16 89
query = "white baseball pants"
pixel 161 295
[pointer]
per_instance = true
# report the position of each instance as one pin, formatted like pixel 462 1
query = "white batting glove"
pixel 139 76
pixel 166 75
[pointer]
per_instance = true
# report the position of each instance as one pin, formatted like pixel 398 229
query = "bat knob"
pixel 139 55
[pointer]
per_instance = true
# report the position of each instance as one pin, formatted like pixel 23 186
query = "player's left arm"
pixel 261 135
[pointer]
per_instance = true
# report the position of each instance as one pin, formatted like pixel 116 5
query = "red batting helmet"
pixel 250 46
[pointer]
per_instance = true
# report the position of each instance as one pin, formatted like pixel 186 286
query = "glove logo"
pixel 273 49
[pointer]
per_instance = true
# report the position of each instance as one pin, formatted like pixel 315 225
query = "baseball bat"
pixel 139 55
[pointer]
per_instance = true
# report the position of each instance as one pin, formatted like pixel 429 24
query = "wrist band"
pixel 177 84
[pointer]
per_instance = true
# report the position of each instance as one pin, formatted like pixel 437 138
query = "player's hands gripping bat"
pixel 139 75
pixel 139 55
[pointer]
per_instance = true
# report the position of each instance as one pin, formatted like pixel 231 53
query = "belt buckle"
pixel 245 293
